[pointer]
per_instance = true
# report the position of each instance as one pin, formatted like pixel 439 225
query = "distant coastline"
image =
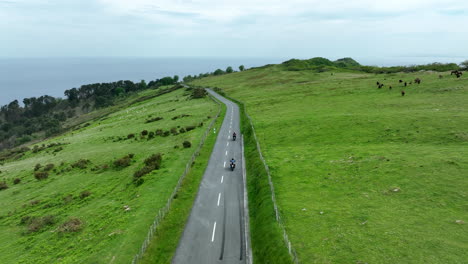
pixel 29 77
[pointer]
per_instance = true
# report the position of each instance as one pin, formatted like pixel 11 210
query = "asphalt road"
pixel 216 229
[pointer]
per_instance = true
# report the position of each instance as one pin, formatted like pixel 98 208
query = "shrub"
pixel 151 163
pixel 198 93
pixel 154 119
pixel 174 131
pixel 68 198
pixel 82 164
pixel 16 181
pixel 123 162
pixel 58 149
pixel 144 133
pixel 150 135
pixel 37 167
pixel 201 124
pixel 41 175
pixel 49 167
pixel 71 225
pixel 3 186
pixel 159 132
pixel 189 128
pixel 129 136
pixel 166 133
pixel 154 160
pixel 187 144
pixel 84 194
pixel 182 130
pixel 37 223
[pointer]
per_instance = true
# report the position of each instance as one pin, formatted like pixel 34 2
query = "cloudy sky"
pixel 234 28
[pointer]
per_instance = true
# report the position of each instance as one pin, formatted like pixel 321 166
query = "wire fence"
pixel 287 242
pixel 163 211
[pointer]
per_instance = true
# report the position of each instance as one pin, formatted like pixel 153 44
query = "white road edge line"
pixel 214 231
pixel 219 198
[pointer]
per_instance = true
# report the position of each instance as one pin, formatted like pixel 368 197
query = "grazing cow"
pixel 410 82
pixel 417 80
pixel 378 83
pixel 406 84
pixel 454 72
pixel 381 85
pixel 390 87
pixel 402 93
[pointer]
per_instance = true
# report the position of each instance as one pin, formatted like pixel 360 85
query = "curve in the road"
pixel 216 229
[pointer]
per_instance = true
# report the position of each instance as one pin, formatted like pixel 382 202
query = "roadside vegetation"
pixel 363 173
pixel 90 194
pixel 167 236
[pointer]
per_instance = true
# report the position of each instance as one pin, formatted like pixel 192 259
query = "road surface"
pixel 216 229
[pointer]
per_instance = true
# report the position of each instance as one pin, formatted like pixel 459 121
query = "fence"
pixel 291 250
pixel 163 211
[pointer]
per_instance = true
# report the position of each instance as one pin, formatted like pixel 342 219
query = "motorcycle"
pixel 232 166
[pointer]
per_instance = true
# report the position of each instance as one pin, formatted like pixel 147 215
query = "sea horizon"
pixel 24 77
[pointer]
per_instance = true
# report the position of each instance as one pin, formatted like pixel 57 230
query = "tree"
pixel 464 65
pixel 241 68
pixel 176 78
pixel 229 70
pixel 218 72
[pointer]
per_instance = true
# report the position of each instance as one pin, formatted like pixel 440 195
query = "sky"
pixel 234 28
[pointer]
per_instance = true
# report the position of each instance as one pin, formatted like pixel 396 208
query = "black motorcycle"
pixel 232 166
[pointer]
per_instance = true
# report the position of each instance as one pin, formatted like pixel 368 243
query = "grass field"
pixel 362 175
pixel 34 213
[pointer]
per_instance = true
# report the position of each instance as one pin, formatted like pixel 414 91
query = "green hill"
pixel 90 195
pixel 361 174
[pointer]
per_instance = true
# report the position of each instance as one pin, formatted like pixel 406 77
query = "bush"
pixel 37 223
pixel 144 133
pixel 37 167
pixel 182 130
pixel 159 132
pixel 150 135
pixel 187 144
pixel 189 128
pixel 129 136
pixel 3 186
pixel 151 163
pixel 198 93
pixel 71 225
pixel 154 119
pixel 174 131
pixel 154 160
pixel 123 162
pixel 16 181
pixel 49 167
pixel 41 175
pixel 82 164
pixel 84 194
pixel 166 133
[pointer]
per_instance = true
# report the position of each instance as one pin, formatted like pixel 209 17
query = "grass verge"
pixel 266 235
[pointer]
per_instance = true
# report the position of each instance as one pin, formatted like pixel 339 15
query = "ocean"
pixel 32 77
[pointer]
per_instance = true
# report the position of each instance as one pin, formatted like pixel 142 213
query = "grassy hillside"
pixel 363 175
pixel 89 209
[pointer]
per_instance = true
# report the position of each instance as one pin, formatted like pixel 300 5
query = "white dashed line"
pixel 226 152
pixel 214 231
pixel 219 198
pixel 222 179
pixel 227 144
pixel 224 164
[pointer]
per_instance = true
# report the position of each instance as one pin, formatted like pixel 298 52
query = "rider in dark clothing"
pixel 233 161
pixel 234 135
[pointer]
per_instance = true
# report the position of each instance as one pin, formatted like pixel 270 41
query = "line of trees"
pixel 217 72
pixel 44 115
